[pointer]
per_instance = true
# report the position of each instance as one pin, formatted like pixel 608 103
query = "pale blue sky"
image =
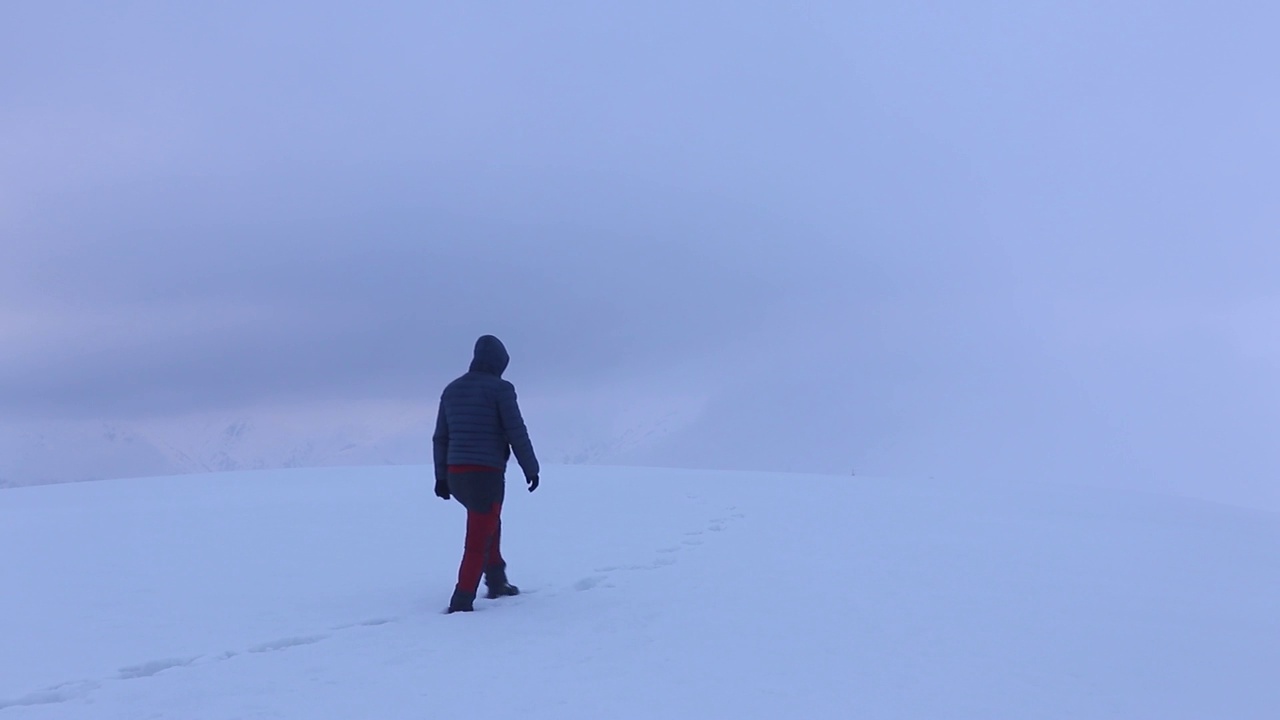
pixel 1035 237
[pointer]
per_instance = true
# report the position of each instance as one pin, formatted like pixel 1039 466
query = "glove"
pixel 533 482
pixel 442 489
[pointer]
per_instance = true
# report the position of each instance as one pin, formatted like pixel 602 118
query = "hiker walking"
pixel 477 429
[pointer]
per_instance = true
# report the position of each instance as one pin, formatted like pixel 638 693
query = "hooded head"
pixel 490 356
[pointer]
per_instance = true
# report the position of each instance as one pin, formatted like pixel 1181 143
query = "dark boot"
pixel 461 601
pixel 495 581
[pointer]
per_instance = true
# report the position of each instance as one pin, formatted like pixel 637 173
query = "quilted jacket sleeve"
pixel 440 445
pixel 516 432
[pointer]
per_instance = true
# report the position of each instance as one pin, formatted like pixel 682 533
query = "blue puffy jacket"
pixel 479 422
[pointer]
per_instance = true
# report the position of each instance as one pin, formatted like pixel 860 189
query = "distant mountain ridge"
pixel 82 451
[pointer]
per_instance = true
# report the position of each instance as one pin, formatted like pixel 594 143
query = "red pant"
pixel 482 548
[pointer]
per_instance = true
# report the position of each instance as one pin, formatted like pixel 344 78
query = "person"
pixel 478 427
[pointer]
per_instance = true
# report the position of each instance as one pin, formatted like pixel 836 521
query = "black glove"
pixel 442 489
pixel 533 482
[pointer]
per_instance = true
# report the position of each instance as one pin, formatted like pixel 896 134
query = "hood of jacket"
pixel 490 356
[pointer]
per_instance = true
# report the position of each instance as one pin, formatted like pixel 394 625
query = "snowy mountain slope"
pixel 37 455
pixel 316 594
pixel 78 451
pixel 399 434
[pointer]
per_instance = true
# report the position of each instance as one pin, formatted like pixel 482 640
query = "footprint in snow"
pixel 588 583
pixel 372 622
pixel 154 667
pixel 285 643
pixel 51 696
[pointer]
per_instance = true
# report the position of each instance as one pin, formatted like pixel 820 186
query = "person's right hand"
pixel 533 482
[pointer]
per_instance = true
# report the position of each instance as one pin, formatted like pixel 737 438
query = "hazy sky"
pixel 1017 238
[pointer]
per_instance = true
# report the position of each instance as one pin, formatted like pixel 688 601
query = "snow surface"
pixel 649 594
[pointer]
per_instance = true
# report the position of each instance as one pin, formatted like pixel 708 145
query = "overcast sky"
pixel 1019 238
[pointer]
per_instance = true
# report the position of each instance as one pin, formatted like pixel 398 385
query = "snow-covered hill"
pixel 52 452
pixel 649 594
pixel 73 451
